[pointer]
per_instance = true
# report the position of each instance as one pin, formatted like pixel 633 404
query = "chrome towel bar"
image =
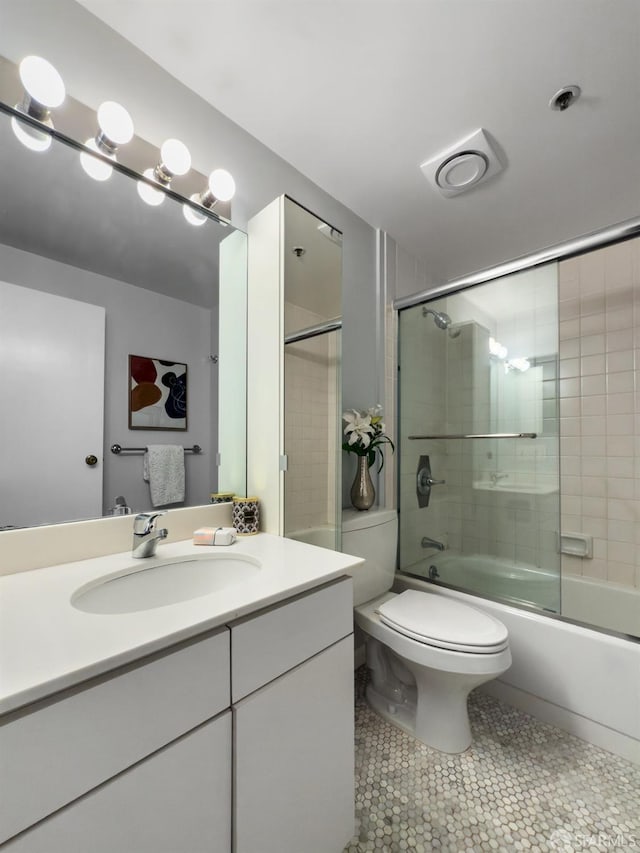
pixel 116 448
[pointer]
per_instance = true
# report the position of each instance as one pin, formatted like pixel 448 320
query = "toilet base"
pixel 402 715
pixel 429 704
pixel 439 731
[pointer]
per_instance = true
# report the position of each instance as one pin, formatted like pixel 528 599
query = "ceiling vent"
pixel 463 166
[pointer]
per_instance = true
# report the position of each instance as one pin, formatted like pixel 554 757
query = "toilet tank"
pixel 372 534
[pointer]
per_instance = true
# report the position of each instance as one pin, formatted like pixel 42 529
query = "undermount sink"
pixel 158 584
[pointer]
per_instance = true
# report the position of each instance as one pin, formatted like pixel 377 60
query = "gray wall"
pixel 97 64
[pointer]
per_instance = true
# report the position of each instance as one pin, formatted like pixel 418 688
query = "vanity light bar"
pixel 43 90
pixel 23 119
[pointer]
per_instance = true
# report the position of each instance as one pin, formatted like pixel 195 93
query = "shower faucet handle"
pixel 424 481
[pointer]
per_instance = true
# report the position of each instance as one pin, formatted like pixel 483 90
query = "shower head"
pixel 442 320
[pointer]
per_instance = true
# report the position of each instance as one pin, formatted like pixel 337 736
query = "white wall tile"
pixel 601 483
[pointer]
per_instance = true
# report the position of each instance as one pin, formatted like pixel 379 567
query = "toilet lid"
pixel 439 621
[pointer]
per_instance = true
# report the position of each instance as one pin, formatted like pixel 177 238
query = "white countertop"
pixel 46 644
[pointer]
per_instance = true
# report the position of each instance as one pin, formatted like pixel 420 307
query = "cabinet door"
pixel 178 799
pixel 294 754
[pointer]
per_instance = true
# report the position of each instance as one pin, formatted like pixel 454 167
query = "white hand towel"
pixel 163 469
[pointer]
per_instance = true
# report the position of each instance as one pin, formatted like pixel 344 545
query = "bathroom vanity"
pixel 220 723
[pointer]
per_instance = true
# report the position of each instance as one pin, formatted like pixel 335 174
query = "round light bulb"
pixel 41 81
pixel 93 166
pixel 115 122
pixel 31 138
pixel 147 193
pixel 175 156
pixel 192 216
pixel 222 185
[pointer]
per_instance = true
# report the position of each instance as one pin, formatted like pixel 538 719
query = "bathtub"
pixel 580 680
pixel 494 577
pixel 607 605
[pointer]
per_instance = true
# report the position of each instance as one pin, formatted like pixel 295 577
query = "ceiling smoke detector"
pixel 463 166
pixel 564 98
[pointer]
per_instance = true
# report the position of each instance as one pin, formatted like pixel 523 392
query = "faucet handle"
pixel 144 522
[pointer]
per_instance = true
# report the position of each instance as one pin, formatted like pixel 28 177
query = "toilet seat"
pixel 443 623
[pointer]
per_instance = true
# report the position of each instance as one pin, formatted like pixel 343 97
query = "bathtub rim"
pixel 520 605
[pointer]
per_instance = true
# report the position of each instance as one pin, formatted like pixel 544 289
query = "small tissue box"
pixel 214 536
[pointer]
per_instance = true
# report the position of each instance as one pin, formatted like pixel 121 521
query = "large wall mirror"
pixel 90 275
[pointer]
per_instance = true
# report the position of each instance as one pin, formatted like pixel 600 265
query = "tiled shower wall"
pixel 311 425
pixel 600 409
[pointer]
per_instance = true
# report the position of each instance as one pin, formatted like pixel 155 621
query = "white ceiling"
pixel 356 94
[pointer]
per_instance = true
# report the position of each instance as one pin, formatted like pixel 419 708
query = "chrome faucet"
pixel 145 534
pixel 432 543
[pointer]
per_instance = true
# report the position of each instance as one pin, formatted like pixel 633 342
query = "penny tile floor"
pixel 523 785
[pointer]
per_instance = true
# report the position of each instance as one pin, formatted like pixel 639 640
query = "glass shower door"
pixel 479 446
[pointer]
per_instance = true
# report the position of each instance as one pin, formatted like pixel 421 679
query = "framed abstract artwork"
pixel 157 393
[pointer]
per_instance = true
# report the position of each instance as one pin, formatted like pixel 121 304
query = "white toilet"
pixel 425 651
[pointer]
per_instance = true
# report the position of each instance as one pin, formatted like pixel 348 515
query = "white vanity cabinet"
pixel 141 759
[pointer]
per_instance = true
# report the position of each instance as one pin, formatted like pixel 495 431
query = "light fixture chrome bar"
pixel 117 166
pixel 479 435
pixel 314 331
pixel 577 246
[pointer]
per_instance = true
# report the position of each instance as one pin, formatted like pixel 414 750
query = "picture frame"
pixel 157 394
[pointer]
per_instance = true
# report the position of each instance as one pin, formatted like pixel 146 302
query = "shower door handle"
pixel 424 481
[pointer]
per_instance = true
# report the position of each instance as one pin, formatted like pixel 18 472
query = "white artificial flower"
pixel 358 428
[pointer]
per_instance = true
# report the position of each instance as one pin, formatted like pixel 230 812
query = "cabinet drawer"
pixel 177 799
pixel 271 643
pixel 63 747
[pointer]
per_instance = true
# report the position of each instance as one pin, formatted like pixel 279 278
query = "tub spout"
pixel 432 543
